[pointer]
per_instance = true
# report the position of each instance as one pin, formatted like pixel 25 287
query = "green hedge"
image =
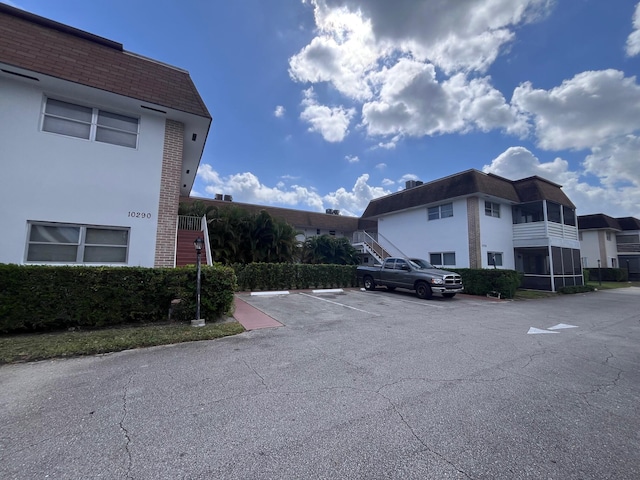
pixel 46 298
pixel 607 274
pixel 576 289
pixel 284 276
pixel 484 281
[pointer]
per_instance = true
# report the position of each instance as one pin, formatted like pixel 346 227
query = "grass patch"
pixel 31 347
pixel 610 285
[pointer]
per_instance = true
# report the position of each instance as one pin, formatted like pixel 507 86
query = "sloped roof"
pixel 629 223
pixel 599 221
pixel 41 45
pixel 469 182
pixel 297 218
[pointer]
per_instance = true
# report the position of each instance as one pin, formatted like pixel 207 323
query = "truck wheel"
pixel 423 290
pixel 369 284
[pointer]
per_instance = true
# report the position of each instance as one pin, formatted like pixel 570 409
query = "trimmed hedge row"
pixel 606 274
pixel 484 281
pixel 285 276
pixel 46 298
pixel 576 289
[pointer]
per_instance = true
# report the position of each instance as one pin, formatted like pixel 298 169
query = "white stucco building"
pixel 98 144
pixel 478 220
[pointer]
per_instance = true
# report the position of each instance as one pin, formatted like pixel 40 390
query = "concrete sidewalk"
pixel 251 318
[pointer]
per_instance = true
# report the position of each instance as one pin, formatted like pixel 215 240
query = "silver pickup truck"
pixel 413 274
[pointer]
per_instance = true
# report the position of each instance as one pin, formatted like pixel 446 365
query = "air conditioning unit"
pixel 336 212
pixel 410 184
pixel 228 198
pixel 329 211
pixel 218 196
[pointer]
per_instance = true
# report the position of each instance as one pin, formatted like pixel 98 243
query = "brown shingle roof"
pixel 470 182
pixel 602 221
pixel 297 218
pixel 41 45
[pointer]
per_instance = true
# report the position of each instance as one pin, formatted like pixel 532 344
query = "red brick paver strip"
pixel 251 318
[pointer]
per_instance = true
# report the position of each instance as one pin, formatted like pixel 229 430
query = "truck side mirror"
pixel 405 267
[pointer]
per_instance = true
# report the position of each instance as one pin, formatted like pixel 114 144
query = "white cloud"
pixel 384 54
pixel 354 201
pixel 387 182
pixel 614 199
pixel 352 158
pixel 616 162
pixel 279 111
pixel 633 41
pixel 381 166
pixel 247 188
pixel 412 102
pixel 583 112
pixel 330 122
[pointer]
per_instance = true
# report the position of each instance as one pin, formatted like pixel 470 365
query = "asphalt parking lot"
pixel 374 385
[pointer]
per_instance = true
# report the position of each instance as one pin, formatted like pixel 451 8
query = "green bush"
pixel 576 289
pixel 607 274
pixel 484 281
pixel 46 298
pixel 279 276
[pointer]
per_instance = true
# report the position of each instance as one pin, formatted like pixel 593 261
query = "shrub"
pixel 607 274
pixel 278 276
pixel 484 281
pixel 576 289
pixel 45 298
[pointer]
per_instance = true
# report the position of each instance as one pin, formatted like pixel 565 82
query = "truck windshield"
pixel 421 263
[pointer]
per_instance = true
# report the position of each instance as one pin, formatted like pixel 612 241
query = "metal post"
pixel 599 275
pixel 628 272
pixel 198 322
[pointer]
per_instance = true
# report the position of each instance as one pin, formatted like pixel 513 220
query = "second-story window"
pixel 440 211
pixel 492 209
pixel 66 118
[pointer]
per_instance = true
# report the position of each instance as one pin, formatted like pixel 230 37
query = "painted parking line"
pixel 423 303
pixel 339 304
pixel 264 294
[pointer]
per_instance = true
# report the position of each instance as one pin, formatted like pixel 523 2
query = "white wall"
pixel 55 178
pixel 496 235
pixel 415 236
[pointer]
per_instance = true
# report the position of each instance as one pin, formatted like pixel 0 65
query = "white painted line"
pixel 283 292
pixel 561 326
pixel 535 331
pixel 339 304
pixel 328 290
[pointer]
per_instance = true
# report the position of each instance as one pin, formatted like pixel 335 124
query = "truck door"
pixel 402 272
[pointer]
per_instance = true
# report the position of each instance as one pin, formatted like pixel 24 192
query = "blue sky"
pixel 329 103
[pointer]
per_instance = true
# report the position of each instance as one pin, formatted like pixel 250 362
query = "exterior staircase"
pixel 190 228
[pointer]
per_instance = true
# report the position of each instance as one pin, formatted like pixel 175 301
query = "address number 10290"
pixel 139 214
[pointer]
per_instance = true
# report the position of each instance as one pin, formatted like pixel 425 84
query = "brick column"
pixel 473 228
pixel 169 194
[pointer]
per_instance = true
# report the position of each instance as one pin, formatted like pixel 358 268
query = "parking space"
pixel 354 385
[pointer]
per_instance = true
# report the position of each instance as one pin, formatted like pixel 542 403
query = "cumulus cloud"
pixel 385 54
pixel 633 41
pixel 279 111
pixel 330 122
pixel 614 195
pixel 584 111
pixel 247 188
pixel 352 158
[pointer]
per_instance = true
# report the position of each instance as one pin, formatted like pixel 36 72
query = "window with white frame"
pixel 442 258
pixel 71 243
pixel 89 123
pixel 492 209
pixel 494 259
pixel 440 211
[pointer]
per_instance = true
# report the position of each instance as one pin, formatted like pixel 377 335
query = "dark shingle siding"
pixel 470 182
pixel 43 46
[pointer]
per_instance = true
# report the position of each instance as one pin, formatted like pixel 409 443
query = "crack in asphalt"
pixel 415 435
pixel 264 384
pixel 124 429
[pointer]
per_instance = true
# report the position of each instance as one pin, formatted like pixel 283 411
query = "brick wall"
pixel 473 227
pixel 169 194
